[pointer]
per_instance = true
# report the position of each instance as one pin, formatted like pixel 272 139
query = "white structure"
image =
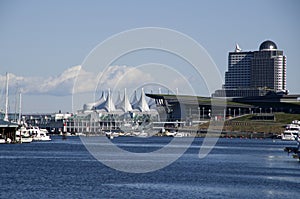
pixel 106 103
pixel 104 116
pixel 124 104
pixel 142 104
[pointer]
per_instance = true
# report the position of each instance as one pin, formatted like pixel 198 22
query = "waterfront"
pixel 236 168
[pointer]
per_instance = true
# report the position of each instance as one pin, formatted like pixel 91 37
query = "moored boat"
pixel 292 131
pixel 2 141
pixel 23 136
pixel 39 134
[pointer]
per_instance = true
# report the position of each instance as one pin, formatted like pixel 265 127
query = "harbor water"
pixel 235 168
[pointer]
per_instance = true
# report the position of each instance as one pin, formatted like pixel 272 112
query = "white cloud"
pixel 120 77
pixel 59 85
pixel 62 85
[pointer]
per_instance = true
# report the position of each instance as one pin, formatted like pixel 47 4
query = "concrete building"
pixel 268 68
pixel 255 73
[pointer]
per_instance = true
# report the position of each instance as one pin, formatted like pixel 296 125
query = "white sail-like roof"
pixel 108 105
pixel 124 104
pixel 142 104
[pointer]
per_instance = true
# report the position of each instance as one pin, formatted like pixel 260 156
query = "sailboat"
pixel 6 125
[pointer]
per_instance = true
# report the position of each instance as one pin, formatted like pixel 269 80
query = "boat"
pixel 39 134
pixel 170 134
pixel 2 141
pixel 178 135
pixel 288 135
pixel 23 136
pixel 292 131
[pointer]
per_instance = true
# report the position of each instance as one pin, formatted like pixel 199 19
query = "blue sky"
pixel 45 38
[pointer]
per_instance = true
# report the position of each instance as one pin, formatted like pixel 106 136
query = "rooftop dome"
pixel 267 45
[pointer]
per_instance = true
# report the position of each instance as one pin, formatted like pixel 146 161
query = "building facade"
pixel 268 68
pixel 239 69
pixel 255 73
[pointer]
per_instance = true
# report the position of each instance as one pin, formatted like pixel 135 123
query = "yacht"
pixel 23 136
pixel 39 134
pixel 288 135
pixel 292 131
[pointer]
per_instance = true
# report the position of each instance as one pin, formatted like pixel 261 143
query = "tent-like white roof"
pixel 108 105
pixel 142 104
pixel 124 104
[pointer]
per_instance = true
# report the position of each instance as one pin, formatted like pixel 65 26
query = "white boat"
pixel 292 131
pixel 2 141
pixel 39 134
pixel 5 141
pixel 170 134
pixel 289 135
pixel 178 135
pixel 23 136
pixel 33 134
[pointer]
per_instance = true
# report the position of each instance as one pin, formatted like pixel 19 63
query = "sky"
pixel 43 44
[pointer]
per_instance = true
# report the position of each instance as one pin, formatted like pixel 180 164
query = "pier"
pixel 8 131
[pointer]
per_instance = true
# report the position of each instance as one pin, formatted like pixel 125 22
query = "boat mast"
pixel 6 99
pixel 20 107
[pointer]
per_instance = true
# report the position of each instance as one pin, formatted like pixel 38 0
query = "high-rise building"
pixel 239 69
pixel 268 68
pixel 255 73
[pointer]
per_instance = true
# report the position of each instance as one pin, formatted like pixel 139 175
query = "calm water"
pixel 234 169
